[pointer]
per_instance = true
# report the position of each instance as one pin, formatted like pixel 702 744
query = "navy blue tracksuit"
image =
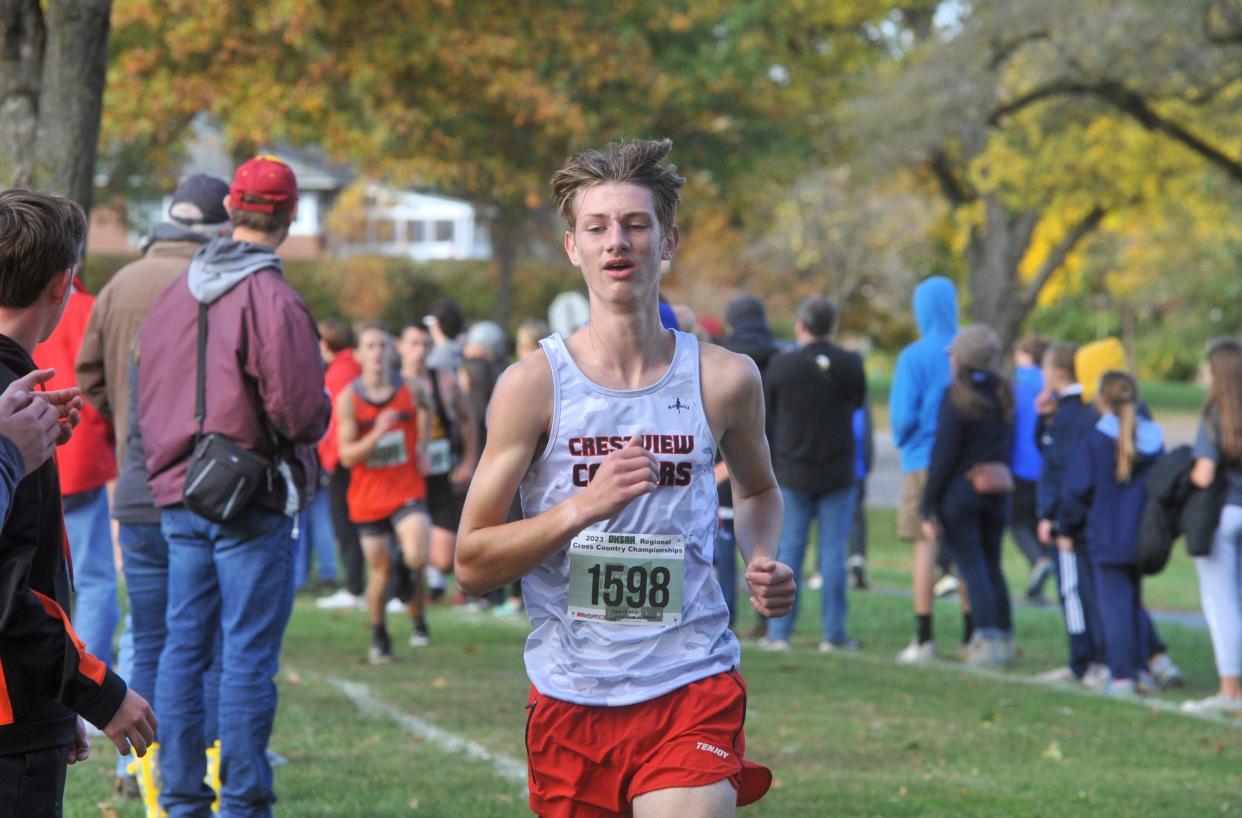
pixel 1059 440
pixel 1112 535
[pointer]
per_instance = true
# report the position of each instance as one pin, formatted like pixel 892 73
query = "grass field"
pixel 845 735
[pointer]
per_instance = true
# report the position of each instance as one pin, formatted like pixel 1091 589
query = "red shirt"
pixel 341 372
pixel 389 478
pixel 87 461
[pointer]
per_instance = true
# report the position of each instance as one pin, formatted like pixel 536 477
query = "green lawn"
pixel 845 735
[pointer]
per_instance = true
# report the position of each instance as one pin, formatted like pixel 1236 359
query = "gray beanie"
pixel 977 347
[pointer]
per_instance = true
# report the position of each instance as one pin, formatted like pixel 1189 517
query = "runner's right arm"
pixel 491 552
pixel 354 449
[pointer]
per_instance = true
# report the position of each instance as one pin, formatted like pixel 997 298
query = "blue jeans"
pixel 317 538
pixel 974 526
pixel 725 558
pixel 235 579
pixel 95 610
pixel 145 560
pixel 834 512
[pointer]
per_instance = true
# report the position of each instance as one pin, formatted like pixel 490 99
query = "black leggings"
pixel 974 526
pixel 1025 520
pixel 346 533
pixel 32 785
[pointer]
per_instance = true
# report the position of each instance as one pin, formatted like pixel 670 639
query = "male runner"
pixel 383 426
pixel 611 434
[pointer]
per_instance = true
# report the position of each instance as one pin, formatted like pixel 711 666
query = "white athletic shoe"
pixel 340 600
pixel 918 654
pixel 773 645
pixel 1097 677
pixel 946 586
pixel 419 639
pixel 1061 674
pixel 395 606
pixel 1218 703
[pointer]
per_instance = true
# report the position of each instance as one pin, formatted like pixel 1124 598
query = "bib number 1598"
pixel 638 586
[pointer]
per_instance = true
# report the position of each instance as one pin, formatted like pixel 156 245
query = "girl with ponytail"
pixel 1219 447
pixel 1106 478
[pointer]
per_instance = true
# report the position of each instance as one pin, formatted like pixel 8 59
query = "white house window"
pixel 444 231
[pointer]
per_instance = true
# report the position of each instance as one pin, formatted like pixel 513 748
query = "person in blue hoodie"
pixel 921 377
pixel 1028 382
pixel 1106 476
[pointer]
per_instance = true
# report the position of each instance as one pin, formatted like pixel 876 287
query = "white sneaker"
pixel 338 601
pixel 916 654
pixel 395 606
pixel 1097 677
pixel 1061 674
pixel 773 645
pixel 1218 703
pixel 419 639
pixel 946 586
pixel 814 582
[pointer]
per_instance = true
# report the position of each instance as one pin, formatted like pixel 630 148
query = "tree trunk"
pixel 505 248
pixel 52 70
pixel 994 253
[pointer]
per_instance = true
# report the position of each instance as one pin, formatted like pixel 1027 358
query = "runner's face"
pixel 617 242
pixel 374 353
pixel 413 348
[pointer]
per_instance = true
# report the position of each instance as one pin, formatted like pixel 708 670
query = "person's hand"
pixel 1046 402
pixel 68 404
pixel 931 530
pixel 80 750
pixel 772 586
pixel 386 421
pixel 624 474
pixel 421 461
pixel 462 474
pixel 133 725
pixel 1065 544
pixel 29 420
pixel 1043 532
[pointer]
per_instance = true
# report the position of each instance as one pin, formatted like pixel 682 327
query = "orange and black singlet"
pixel 389 478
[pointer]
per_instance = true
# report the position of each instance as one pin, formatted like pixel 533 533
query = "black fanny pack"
pixel 223 476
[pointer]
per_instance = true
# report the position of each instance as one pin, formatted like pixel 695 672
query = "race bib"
pixel 389 451
pixel 439 456
pixel 627 579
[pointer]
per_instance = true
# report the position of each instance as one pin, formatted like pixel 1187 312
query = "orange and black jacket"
pixel 46 677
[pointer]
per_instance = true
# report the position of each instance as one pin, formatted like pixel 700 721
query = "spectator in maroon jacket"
pixel 263 392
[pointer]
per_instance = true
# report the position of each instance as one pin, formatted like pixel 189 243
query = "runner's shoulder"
pixel 727 374
pixel 523 394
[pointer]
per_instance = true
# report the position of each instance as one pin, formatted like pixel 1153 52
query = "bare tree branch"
pixel 1059 254
pixel 957 193
pixel 1133 105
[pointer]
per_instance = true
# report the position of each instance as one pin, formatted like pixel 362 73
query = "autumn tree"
pixel 1029 183
pixel 484 99
pixel 52 61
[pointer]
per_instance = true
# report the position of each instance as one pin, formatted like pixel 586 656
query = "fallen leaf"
pixel 293 677
pixel 1053 752
pixel 439 683
pixel 902 792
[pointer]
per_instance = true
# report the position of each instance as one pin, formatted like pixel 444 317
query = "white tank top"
pixel 612 643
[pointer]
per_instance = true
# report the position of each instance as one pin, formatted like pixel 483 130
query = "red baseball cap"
pixel 264 184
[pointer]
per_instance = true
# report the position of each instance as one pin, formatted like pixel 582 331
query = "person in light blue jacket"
pixel 921 377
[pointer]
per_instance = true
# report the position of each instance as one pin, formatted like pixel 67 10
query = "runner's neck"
pixel 623 350
pixel 377 387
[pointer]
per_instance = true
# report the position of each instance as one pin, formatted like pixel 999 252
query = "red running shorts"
pixel 590 762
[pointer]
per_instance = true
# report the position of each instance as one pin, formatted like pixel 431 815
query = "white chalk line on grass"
pixel 510 769
pixel 1162 705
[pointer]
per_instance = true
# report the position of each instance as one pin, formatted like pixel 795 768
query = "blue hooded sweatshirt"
pixel 1115 509
pixel 1028 381
pixel 922 373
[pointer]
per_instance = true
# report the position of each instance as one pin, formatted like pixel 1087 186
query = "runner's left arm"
pixel 735 404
